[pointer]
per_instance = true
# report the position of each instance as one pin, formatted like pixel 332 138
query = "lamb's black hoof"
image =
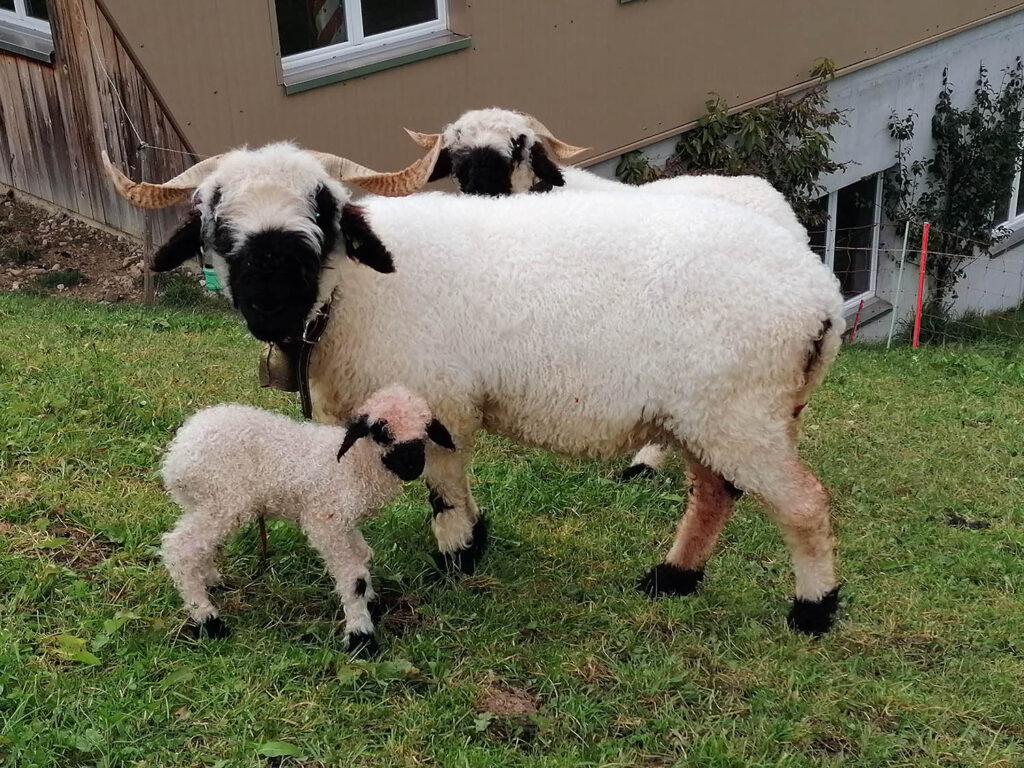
pixel 637 470
pixel 363 645
pixel 667 579
pixel 814 617
pixel 465 560
pixel 213 628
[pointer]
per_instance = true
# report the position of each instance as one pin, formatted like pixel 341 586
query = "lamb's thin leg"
pixel 188 552
pixel 647 462
pixel 458 526
pixel 800 505
pixel 710 505
pixel 347 555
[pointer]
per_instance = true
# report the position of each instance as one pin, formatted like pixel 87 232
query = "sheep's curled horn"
pixel 177 190
pixel 359 427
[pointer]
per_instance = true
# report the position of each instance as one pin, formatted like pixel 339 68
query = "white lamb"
pixel 231 463
pixel 500 151
pixel 586 323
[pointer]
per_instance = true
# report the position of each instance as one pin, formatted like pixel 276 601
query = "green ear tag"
pixel 212 282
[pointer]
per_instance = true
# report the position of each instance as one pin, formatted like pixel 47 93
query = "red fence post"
pixel 920 284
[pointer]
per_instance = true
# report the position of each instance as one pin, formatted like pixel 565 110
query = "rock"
pixel 112 296
pixel 16 272
pixel 15 285
pixel 61 287
pixel 127 262
pixel 55 267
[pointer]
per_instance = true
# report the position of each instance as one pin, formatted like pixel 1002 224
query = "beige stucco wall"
pixel 598 72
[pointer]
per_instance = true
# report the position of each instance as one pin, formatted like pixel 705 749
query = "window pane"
pixel 7 5
pixel 855 218
pixel 37 9
pixel 386 15
pixel 819 228
pixel 1020 195
pixel 304 25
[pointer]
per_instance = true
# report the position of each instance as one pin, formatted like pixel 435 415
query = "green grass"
pixel 925 667
pixel 48 281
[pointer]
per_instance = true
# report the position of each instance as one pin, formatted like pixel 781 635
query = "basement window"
pixel 325 41
pixel 25 29
pixel 848 242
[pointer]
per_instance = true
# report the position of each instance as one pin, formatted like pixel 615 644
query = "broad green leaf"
pixel 279 749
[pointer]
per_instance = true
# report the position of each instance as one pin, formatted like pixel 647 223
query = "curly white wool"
pixel 231 463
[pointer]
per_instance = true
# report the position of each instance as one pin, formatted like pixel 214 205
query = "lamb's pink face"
pixel 400 422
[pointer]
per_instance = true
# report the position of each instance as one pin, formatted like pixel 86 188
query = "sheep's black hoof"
pixel 363 645
pixel 637 470
pixel 213 628
pixel 667 579
pixel 465 560
pixel 814 617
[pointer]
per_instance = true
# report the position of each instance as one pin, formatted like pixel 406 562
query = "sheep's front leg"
pixel 710 505
pixel 647 462
pixel 188 552
pixel 346 555
pixel 458 526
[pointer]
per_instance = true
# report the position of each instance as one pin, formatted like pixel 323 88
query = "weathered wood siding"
pixel 55 120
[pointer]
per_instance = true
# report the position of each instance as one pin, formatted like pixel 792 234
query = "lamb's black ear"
pixel 443 166
pixel 361 243
pixel 183 245
pixel 439 433
pixel 548 172
pixel 356 429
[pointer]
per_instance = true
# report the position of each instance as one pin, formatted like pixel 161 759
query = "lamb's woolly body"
pixel 231 463
pixel 608 320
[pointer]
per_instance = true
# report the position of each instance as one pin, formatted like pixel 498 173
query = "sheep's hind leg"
pixel 346 556
pixel 458 526
pixel 710 505
pixel 800 506
pixel 188 552
pixel 647 462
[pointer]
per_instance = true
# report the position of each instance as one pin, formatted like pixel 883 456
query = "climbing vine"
pixel 964 188
pixel 787 140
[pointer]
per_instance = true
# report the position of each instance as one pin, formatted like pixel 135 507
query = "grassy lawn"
pixel 922 452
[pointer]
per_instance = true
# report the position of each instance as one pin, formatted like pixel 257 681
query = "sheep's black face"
pixel 483 171
pixel 274 280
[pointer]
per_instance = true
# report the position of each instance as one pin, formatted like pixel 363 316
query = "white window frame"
pixel 359 45
pixel 830 241
pixel 1013 222
pixel 20 20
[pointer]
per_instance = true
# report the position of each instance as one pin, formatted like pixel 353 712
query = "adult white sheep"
pixel 500 151
pixel 585 323
pixel 231 463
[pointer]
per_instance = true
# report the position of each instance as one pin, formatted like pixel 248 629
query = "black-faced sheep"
pixel 586 323
pixel 230 464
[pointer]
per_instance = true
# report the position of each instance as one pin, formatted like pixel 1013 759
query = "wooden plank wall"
pixel 55 120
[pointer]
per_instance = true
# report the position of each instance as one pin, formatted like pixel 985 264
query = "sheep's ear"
pixel 356 429
pixel 443 166
pixel 548 172
pixel 361 243
pixel 183 245
pixel 439 433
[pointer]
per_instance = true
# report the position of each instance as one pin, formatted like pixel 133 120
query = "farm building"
pixel 161 84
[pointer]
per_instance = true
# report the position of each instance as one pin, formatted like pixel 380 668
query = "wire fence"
pixel 982 300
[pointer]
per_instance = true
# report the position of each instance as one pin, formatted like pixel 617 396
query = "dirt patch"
pixel 399 612
pixel 82 549
pixel 957 521
pixel 503 699
pixel 508 714
pixel 51 253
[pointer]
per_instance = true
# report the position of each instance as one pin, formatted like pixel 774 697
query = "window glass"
pixel 7 5
pixel 303 25
pixel 387 15
pixel 855 218
pixel 819 231
pixel 1020 195
pixel 37 9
